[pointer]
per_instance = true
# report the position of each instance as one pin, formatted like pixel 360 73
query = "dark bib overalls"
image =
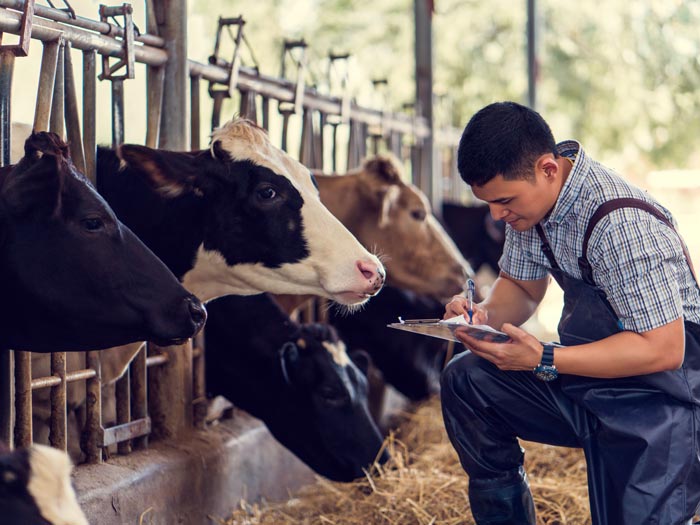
pixel 639 434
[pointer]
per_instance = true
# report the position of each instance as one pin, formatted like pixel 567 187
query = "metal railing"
pixel 163 391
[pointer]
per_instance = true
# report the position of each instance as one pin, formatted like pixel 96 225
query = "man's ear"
pixel 547 164
pixel 170 173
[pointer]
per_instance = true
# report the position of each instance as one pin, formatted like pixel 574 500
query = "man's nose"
pixel 498 212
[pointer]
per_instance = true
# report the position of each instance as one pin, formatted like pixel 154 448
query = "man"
pixel 626 386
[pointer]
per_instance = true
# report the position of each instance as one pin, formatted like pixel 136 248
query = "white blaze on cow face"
pixel 338 352
pixel 50 486
pixel 338 266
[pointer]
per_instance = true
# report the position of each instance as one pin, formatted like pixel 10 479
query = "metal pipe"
pixel 23 399
pixel 123 409
pixel 139 394
pixel 7 64
pixel 155 78
pixel 195 112
pixel 90 113
pixel 58 420
pixel 71 112
pixel 104 28
pixel 93 431
pixel 47 30
pixel 47 76
pixel 7 397
pixel 57 119
pixel 78 375
pixel 117 112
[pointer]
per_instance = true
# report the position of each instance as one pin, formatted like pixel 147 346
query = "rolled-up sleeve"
pixel 517 261
pixel 636 262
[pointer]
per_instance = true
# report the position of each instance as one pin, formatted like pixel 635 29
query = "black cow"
pixel 478 236
pixel 239 218
pixel 35 488
pixel 72 276
pixel 298 379
pixel 411 363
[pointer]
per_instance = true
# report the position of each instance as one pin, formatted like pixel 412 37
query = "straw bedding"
pixel 424 484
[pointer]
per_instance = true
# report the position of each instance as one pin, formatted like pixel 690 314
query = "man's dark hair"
pixel 503 138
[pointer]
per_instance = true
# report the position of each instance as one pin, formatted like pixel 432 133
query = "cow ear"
pixel 288 359
pixel 384 169
pixel 361 359
pixel 170 173
pixel 35 184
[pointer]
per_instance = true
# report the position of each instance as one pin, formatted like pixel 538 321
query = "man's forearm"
pixel 509 302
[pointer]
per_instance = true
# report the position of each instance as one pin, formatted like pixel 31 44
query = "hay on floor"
pixel 424 484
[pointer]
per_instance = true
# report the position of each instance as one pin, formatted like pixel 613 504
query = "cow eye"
pixel 267 193
pixel 418 215
pixel 93 224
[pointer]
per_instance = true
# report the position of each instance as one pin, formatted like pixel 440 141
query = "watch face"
pixel 546 373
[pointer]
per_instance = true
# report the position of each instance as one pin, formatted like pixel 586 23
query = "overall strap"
pixel 615 204
pixel 546 248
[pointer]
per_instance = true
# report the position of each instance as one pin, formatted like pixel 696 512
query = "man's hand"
pixel 459 305
pixel 524 352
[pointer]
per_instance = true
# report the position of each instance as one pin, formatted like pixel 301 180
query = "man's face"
pixel 521 203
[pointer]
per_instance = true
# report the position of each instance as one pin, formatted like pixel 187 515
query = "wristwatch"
pixel 546 371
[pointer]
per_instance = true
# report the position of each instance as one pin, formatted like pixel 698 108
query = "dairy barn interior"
pixel 298 405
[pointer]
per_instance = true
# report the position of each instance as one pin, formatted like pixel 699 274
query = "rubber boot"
pixel 505 500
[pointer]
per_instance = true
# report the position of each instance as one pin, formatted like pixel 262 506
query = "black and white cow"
pixel 35 488
pixel 478 236
pixel 411 363
pixel 239 218
pixel 298 379
pixel 72 276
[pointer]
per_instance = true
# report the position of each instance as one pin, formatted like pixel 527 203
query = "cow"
pixel 35 488
pixel 298 379
pixel 388 215
pixel 241 217
pixel 478 236
pixel 410 363
pixel 73 277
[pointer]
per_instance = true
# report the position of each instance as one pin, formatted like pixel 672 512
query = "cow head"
pixel 297 379
pixel 73 277
pixel 328 393
pixel 35 488
pixel 394 218
pixel 265 228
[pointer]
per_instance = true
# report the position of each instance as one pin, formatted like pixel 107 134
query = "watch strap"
pixel 547 354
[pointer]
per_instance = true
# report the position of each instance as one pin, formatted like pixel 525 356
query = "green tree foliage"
pixel 621 76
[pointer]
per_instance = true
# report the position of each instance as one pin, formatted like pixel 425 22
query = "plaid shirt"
pixel 637 260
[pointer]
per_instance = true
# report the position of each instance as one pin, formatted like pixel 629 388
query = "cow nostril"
pixel 197 310
pixel 367 270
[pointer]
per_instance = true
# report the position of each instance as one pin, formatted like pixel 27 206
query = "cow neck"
pixel 173 228
pixel 341 195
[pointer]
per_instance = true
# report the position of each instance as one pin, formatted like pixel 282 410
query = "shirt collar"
pixel 572 187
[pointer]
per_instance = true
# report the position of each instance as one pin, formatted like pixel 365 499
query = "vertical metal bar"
pixel 174 126
pixel 285 126
pixel 7 397
pixel 23 399
pixel 319 142
pixel 155 77
pixel 123 409
pixel 47 76
pixel 93 432
pixel 71 112
pixel 7 64
pixel 532 53
pixel 139 394
pixel 248 108
pixel 306 150
pixel 170 392
pixel 57 122
pixel 89 113
pixel 266 113
pixel 195 112
pixel 199 392
pixel 219 97
pixel 117 112
pixel 57 435
pixel 430 185
pixel 334 150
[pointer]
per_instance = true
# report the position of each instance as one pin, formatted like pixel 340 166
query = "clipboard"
pixel 444 329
